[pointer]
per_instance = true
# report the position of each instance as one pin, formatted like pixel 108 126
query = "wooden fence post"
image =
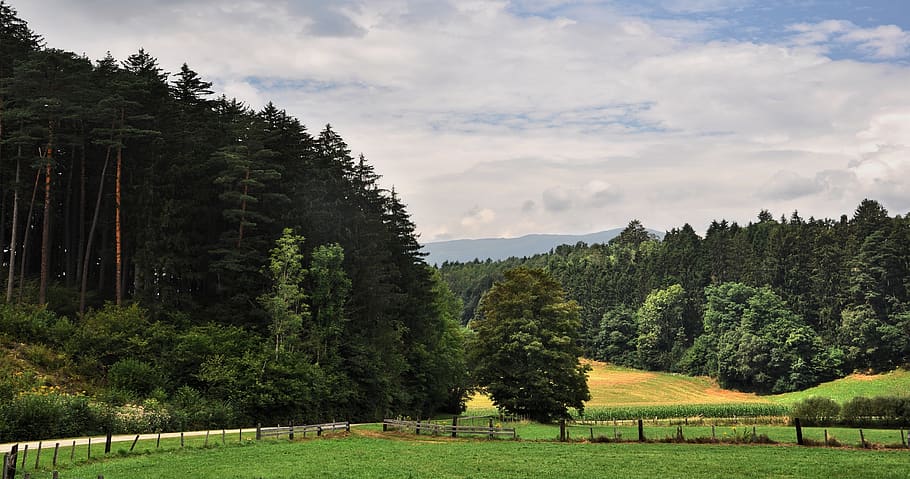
pixel 73 452
pixel 318 430
pixel 562 430
pixel 799 431
pixel 10 469
pixel 56 450
pixel 223 435
pixel 38 454
pixel 417 427
pixel 158 441
pixel 291 433
pixel 641 431
pixel 206 443
pixel 181 439
pixel 454 426
pixel 491 428
pixel 3 472
pixel 107 443
pixel 347 426
pixel 89 448
pixel 713 435
pixel 903 442
pixel 826 438
pixel 55 475
pixel 134 443
pixel 24 456
pixel 259 431
pixel 862 439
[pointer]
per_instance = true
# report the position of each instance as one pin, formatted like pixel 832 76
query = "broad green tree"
pixel 662 336
pixel 285 303
pixel 525 353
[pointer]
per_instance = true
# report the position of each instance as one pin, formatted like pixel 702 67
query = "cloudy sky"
pixel 503 118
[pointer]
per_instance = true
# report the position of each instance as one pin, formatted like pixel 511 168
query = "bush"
pixel 857 412
pixel 816 411
pixel 40 416
pixel 134 376
pixel 150 416
pixel 34 324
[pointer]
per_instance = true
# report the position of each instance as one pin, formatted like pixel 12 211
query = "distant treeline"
pixel 776 305
pixel 126 185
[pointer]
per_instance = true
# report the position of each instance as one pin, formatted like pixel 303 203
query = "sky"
pixel 505 118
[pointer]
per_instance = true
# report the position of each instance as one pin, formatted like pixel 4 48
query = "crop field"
pixel 369 453
pixel 623 393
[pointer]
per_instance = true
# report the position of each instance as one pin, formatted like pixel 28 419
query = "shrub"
pixel 135 376
pixel 816 411
pixel 150 416
pixel 857 411
pixel 43 416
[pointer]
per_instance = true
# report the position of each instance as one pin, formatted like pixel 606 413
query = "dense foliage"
pixel 145 218
pixel 861 411
pixel 524 353
pixel 776 305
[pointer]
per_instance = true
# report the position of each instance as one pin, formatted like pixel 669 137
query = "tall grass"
pixel 678 411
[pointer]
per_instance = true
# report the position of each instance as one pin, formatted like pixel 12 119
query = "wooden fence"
pixel 437 429
pixel 290 431
pixel 21 459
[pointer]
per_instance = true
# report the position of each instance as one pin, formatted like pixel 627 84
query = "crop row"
pixel 678 411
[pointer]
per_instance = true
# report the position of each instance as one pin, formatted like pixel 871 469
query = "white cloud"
pixel 477 217
pixel 460 104
pixel 882 42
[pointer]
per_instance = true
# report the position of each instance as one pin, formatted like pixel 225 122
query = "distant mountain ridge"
pixel 465 250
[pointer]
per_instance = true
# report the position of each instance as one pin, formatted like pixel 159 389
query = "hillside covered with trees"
pixel 776 305
pixel 162 242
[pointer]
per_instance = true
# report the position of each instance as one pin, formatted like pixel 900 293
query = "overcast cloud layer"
pixel 499 118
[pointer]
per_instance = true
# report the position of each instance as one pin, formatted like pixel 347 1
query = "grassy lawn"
pixel 368 454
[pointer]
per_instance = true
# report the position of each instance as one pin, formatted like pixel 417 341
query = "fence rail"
pixel 436 429
pixel 290 431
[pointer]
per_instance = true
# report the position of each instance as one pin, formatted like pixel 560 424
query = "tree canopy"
pixel 525 352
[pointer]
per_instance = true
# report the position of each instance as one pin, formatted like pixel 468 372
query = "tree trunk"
pixel 91 233
pixel 46 224
pixel 246 190
pixel 28 227
pixel 81 252
pixel 118 253
pixel 68 263
pixel 11 275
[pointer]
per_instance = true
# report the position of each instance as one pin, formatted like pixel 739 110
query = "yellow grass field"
pixel 613 386
pixel 616 386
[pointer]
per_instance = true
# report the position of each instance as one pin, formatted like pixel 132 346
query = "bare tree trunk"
pixel 28 227
pixel 246 191
pixel 91 233
pixel 46 224
pixel 11 276
pixel 118 253
pixel 81 252
pixel 68 262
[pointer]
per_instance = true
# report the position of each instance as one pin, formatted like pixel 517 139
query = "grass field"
pixel 613 386
pixel 894 383
pixel 370 454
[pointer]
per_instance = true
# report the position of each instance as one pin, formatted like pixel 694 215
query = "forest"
pixel 776 305
pixel 169 247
